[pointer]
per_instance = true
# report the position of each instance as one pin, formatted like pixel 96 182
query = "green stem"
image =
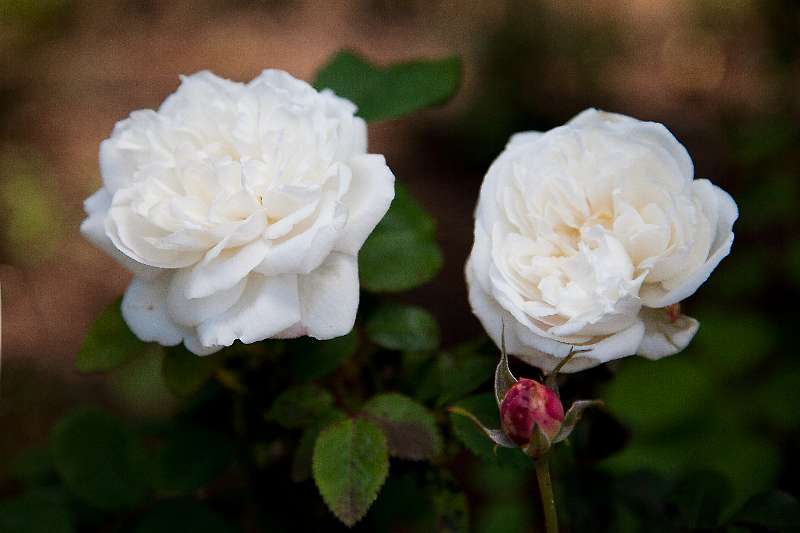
pixel 546 494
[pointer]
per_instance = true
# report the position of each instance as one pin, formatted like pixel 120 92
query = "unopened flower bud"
pixel 529 403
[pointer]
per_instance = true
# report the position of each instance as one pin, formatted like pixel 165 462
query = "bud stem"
pixel 546 493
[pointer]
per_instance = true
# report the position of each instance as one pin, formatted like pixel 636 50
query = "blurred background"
pixel 723 75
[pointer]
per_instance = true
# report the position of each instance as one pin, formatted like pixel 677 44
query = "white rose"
pixel 586 236
pixel 240 209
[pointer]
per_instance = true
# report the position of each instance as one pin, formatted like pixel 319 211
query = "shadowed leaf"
pixel 190 458
pixel 401 253
pixel 299 406
pixel 773 510
pixel 301 462
pixel 701 497
pixel 410 429
pixel 38 511
pixel 99 460
pixel 109 343
pixel 460 373
pixel 350 464
pixel 184 372
pixel 390 92
pixel 178 515
pixel 403 327
pixel 452 513
pixel 311 359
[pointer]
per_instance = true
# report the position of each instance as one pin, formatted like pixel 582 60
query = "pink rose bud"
pixel 527 403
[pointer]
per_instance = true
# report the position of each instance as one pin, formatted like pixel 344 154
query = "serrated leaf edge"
pixel 314 466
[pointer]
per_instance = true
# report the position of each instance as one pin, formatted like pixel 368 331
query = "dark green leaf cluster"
pixel 97 471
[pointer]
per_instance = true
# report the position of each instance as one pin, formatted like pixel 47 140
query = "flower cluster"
pixel 241 208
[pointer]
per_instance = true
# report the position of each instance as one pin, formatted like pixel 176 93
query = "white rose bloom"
pixel 240 209
pixel 586 236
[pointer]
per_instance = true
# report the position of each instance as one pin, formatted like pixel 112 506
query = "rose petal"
pixel 664 337
pixel 492 317
pixel 523 138
pixel 192 343
pixel 225 270
pixel 722 205
pixel 652 133
pixel 93 228
pixel 269 305
pixel 116 168
pixel 134 235
pixel 306 251
pixel 329 297
pixel 144 308
pixel 190 312
pixel 371 192
pixel 621 344
pixel 359 136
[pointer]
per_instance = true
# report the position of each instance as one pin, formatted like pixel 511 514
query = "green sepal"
pixel 503 378
pixel 495 435
pixel 539 443
pixel 573 416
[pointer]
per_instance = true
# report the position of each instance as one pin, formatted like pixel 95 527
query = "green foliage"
pixel 299 406
pixel 139 386
pixel 768 403
pixel 452 513
pixel 773 510
pixel 109 343
pixel 403 327
pixel 184 372
pixel 452 375
pixel 654 395
pixel 410 429
pixel 312 359
pixel 484 407
pixel 99 460
pixel 179 515
pixel 38 511
pixel 34 466
pixel 351 462
pixel 404 505
pixel 301 462
pixel 504 517
pixel 701 497
pixel 390 92
pixel 668 406
pixel 727 351
pixel 646 496
pixel 401 253
pixel 191 457
pixel 764 139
